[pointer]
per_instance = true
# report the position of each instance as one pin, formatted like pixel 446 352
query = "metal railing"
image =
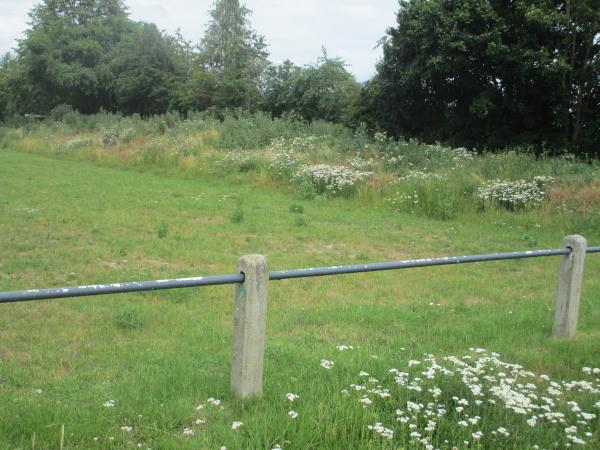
pixel 216 280
pixel 252 282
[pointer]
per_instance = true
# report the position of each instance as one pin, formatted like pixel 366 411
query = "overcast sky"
pixel 294 29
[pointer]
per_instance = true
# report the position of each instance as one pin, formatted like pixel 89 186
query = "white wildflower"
pixel 381 430
pixel 326 364
pixel 291 396
pixel 342 348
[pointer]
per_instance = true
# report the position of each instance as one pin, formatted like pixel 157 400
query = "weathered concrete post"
pixel 570 281
pixel 249 327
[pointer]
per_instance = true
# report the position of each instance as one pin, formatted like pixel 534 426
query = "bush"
pixel 60 111
pixel 110 138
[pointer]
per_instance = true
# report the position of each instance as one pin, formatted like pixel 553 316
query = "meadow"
pixel 440 357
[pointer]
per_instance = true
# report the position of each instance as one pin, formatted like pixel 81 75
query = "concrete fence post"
pixel 570 280
pixel 249 327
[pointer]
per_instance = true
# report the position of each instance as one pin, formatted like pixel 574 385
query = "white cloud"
pixel 294 30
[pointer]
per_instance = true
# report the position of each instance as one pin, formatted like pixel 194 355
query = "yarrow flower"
pixel 326 364
pixel 235 425
pixel 381 430
pixel 342 348
pixel 332 179
pixel 293 414
pixel 366 401
pixel 477 435
pixel 291 396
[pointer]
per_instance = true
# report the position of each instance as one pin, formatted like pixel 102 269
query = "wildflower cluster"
pixel 331 179
pixel 360 164
pixel 300 144
pixel 457 156
pixel 244 161
pixel 433 394
pixel 283 163
pixel 74 144
pixel 516 194
pixel 420 175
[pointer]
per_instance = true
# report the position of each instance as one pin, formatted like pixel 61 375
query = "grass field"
pixel 160 355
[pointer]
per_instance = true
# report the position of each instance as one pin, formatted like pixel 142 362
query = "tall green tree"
pixel 321 91
pixel 491 72
pixel 280 80
pixel 146 68
pixel 325 91
pixel 66 53
pixel 235 54
pixel 8 83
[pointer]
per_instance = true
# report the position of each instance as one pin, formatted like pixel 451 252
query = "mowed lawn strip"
pixel 159 354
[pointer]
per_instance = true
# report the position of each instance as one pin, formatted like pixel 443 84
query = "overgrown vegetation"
pixel 324 159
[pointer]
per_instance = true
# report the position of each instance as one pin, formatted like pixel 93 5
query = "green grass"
pixel 160 354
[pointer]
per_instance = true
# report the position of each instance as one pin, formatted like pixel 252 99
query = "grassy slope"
pixel 96 224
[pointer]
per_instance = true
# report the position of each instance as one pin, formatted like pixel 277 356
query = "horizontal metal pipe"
pixel 117 288
pixel 154 285
pixel 339 270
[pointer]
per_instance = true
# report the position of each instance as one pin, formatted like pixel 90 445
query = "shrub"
pixel 60 111
pixel 110 137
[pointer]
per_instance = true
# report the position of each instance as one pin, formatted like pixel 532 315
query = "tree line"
pixel 477 73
